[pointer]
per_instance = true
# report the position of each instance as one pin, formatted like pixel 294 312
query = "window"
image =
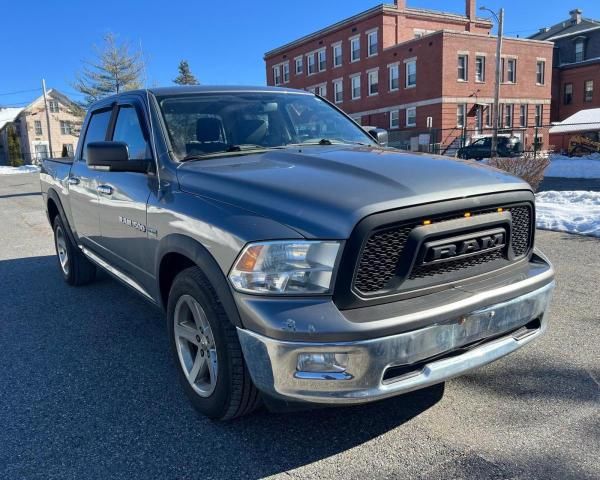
pixel 568 94
pixel 461 115
pixel 65 128
pixel 579 50
pixel 373 82
pixel 322 54
pixel 96 129
pixel 53 106
pixel 540 72
pixel 394 76
pixel 395 119
pixel 337 55
pixel 355 80
pixel 68 149
pixel 411 73
pixel 321 90
pixel 508 116
pixel 480 69
pixel 277 75
pixel 411 116
pixel 588 93
pixel 523 116
pixel 37 124
pixel 488 115
pixel 373 43
pixel 41 151
pixel 355 49
pixel 539 115
pixel 310 61
pixel 338 91
pixel 299 65
pixel 463 62
pixel 286 72
pixel 129 130
pixel 511 70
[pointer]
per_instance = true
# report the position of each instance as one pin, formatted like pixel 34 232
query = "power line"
pixel 21 91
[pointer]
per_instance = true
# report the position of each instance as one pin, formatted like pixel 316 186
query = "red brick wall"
pixel 577 76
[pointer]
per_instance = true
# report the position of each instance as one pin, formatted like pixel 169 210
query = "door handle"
pixel 73 181
pixel 104 189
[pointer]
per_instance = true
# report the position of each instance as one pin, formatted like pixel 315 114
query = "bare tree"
pixel 114 69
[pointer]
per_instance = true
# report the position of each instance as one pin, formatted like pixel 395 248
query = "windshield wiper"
pixel 328 141
pixel 243 148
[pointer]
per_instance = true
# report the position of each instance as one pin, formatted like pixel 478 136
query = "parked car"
pixel 296 260
pixel 482 148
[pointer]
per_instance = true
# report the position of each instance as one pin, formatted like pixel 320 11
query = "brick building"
pixel 576 64
pixel 426 76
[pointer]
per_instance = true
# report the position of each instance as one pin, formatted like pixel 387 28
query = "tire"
pixel 206 348
pixel 75 269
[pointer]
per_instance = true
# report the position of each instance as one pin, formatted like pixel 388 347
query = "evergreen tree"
pixel 185 77
pixel 115 69
pixel 14 148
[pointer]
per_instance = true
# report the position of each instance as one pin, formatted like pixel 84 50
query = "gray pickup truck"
pixel 297 260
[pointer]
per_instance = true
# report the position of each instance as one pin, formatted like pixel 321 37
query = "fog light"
pixel 322 362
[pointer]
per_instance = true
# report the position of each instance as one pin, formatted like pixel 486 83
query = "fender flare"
pixel 55 197
pixel 202 258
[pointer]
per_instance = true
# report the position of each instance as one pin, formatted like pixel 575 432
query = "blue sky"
pixel 224 41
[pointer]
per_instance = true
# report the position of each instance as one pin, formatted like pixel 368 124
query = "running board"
pixel 117 273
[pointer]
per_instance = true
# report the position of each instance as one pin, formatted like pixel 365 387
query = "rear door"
pixel 123 197
pixel 83 196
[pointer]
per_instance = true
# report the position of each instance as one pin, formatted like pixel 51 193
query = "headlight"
pixel 286 267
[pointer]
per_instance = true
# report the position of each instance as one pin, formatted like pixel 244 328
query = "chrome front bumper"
pixel 423 357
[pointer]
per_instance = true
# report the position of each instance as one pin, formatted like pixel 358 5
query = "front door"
pixel 123 197
pixel 82 181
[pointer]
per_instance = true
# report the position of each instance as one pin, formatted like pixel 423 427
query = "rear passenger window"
pixel 96 130
pixel 129 130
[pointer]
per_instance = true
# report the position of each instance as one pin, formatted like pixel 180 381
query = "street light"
pixel 500 19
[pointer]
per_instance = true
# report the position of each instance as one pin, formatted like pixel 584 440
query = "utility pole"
pixel 47 116
pixel 500 20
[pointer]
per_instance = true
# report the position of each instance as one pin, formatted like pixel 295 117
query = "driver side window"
pixel 129 130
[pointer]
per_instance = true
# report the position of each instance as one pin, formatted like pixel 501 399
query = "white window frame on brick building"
pixel 277 75
pixel 394 119
pixel 539 115
pixel 509 70
pixel 37 127
pixel 311 65
pixel 298 65
pixel 322 59
pixel 461 115
pixel 411 116
pixel 65 127
pixel 408 81
pixel 463 67
pixel 68 147
pixel 588 91
pixel 568 93
pixel 508 115
pixel 523 115
pixel 488 115
pixel 338 90
pixel 373 81
pixel 353 87
pixel 337 53
pixel 540 71
pixel 53 106
pixel 321 90
pixel 480 68
pixel 394 75
pixel 286 72
pixel 372 42
pixel 355 40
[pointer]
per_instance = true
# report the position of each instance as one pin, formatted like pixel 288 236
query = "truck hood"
pixel 323 191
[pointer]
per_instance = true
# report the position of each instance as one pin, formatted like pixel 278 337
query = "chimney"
pixel 471 10
pixel 400 4
pixel 576 16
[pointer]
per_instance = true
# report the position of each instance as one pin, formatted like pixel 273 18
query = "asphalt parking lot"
pixel 88 389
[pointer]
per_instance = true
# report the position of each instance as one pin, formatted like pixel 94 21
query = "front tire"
pixel 207 351
pixel 75 268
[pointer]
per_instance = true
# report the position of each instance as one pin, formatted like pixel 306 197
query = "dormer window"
pixel 580 50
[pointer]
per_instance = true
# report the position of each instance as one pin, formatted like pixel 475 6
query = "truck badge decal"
pixel 132 223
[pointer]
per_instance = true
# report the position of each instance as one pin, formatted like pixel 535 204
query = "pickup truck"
pixel 298 261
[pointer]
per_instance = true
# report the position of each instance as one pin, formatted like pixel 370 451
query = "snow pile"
pixel 572 212
pixel 574 167
pixel 22 169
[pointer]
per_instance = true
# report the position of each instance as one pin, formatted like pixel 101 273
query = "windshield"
pixel 212 123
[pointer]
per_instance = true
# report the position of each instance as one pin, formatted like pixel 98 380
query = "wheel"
pixel 74 267
pixel 206 350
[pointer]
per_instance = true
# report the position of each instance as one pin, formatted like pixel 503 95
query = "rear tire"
pixel 75 268
pixel 207 351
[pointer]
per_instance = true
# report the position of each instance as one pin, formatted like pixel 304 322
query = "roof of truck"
pixel 219 88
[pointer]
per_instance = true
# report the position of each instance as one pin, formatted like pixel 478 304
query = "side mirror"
pixel 380 135
pixel 115 157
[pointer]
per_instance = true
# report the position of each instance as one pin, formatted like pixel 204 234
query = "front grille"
pixel 383 252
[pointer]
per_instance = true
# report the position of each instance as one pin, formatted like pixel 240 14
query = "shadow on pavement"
pixel 88 390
